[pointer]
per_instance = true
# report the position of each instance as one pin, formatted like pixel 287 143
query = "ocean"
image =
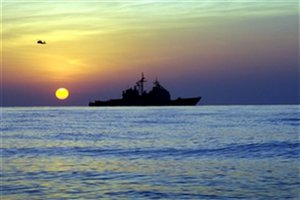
pixel 201 152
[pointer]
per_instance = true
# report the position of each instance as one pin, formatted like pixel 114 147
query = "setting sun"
pixel 62 93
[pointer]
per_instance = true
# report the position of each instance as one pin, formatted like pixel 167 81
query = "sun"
pixel 62 93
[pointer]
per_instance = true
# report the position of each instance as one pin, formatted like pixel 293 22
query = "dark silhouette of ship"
pixel 136 96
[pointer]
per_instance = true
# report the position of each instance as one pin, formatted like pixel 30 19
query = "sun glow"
pixel 62 93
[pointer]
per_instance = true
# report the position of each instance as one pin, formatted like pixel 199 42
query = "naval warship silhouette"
pixel 137 96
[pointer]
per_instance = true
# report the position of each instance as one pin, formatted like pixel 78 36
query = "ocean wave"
pixel 258 150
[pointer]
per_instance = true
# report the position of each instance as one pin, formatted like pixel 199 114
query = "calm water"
pixel 203 152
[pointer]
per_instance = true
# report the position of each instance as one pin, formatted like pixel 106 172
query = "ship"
pixel 137 96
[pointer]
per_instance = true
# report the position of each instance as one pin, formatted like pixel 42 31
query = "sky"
pixel 228 52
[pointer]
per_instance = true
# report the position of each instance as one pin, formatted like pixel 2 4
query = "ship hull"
pixel 120 102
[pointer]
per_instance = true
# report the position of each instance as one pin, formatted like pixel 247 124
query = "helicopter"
pixel 41 42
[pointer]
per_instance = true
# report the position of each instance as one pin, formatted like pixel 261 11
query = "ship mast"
pixel 140 84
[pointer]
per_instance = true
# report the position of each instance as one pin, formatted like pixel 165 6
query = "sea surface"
pixel 201 152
